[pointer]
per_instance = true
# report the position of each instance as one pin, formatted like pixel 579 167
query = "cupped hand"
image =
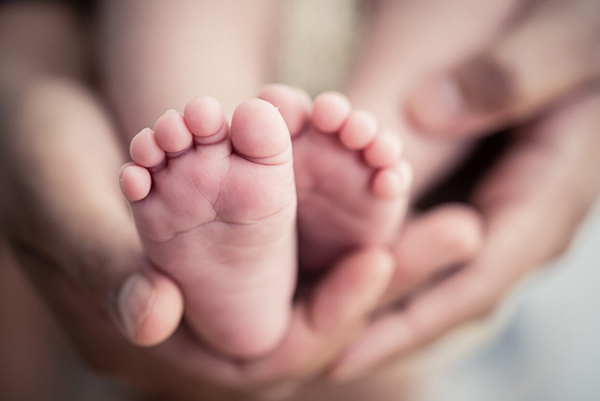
pixel 69 228
pixel 538 77
pixel 532 204
pixel 183 368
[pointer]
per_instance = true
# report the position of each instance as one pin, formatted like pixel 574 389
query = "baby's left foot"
pixel 215 207
pixel 351 181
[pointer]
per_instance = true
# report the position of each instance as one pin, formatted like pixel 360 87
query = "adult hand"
pixel 183 368
pixel 69 228
pixel 532 203
pixel 544 52
pixel 541 74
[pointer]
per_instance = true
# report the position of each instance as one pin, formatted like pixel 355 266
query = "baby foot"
pixel 351 181
pixel 215 208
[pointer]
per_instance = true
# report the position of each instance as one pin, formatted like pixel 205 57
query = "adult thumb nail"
pixel 135 302
pixel 436 103
pixel 458 100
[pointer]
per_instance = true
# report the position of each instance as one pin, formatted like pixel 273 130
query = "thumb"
pixel 542 58
pixel 63 215
pixel 147 306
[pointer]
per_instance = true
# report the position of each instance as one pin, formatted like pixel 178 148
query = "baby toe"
pixel 293 104
pixel 389 183
pixel 384 151
pixel 172 134
pixel 205 118
pixel 330 111
pixel 145 150
pixel 135 182
pixel 359 130
pixel 258 132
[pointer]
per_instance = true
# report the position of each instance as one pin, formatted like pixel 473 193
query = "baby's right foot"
pixel 215 208
pixel 351 181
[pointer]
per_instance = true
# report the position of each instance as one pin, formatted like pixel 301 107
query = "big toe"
pixel 259 133
pixel 292 103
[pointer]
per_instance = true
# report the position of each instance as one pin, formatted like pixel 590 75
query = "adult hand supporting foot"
pixel 60 199
pixel 535 197
pixel 63 208
pixel 532 203
pixel 71 232
pixel 69 228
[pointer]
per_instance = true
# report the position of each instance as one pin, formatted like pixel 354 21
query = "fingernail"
pixel 135 302
pixel 437 103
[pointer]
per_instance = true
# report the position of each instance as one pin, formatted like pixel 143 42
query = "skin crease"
pixel 542 149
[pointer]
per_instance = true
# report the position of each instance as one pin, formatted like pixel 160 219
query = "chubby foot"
pixel 215 207
pixel 351 180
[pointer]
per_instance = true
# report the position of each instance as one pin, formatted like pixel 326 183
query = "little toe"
pixel 389 183
pixel 330 112
pixel 359 130
pixel 135 182
pixel 145 150
pixel 205 118
pixel 258 133
pixel 172 134
pixel 293 104
pixel 384 151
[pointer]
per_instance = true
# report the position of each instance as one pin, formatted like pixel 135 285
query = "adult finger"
pixel 432 244
pixel 62 205
pixel 533 202
pixel 330 318
pixel 323 323
pixel 551 51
